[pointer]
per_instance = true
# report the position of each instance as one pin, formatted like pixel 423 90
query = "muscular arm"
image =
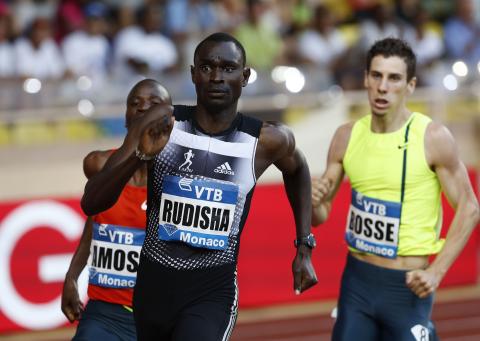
pixel 149 133
pixel 72 306
pixel 442 155
pixel 278 144
pixel 325 188
pixel 71 303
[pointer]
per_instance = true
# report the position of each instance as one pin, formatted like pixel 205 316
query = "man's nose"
pixel 216 75
pixel 144 105
pixel 383 85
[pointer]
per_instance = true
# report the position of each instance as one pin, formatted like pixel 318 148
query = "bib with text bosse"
pixel 373 225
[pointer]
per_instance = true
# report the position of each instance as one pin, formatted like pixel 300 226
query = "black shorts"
pixel 376 304
pixel 185 305
pixel 105 321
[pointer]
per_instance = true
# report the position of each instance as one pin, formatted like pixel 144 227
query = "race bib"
pixel 115 253
pixel 373 225
pixel 199 213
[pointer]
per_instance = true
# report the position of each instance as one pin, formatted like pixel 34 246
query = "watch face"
pixel 308 241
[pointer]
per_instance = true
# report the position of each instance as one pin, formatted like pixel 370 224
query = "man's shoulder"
pixel 95 160
pixel 274 134
pixel 250 125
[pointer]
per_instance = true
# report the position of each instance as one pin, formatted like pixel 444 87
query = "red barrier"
pixel 267 250
pixel 38 237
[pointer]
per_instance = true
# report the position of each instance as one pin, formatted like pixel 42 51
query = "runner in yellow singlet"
pixel 398 162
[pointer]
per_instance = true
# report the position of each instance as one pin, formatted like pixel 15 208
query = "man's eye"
pixel 229 69
pixel 205 68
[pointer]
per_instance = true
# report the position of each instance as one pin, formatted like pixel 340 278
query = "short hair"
pixel 394 47
pixel 219 37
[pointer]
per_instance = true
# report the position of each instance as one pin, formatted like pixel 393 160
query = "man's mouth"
pixel 381 103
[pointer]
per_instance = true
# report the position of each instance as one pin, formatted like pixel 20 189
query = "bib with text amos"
pixel 115 254
pixel 198 212
pixel 373 225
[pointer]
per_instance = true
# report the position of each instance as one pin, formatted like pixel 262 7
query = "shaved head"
pixel 161 91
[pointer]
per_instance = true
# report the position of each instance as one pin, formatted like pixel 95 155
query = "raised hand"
pixel 153 129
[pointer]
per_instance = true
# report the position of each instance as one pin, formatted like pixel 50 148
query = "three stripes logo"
pixel 224 168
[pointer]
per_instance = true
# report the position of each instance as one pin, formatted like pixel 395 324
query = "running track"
pixel 456 314
pixel 455 321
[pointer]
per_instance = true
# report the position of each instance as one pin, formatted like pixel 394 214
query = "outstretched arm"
pixel 279 144
pixel 325 188
pixel 148 134
pixel 72 306
pixel 442 154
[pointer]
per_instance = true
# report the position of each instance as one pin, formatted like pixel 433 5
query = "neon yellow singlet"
pixel 373 163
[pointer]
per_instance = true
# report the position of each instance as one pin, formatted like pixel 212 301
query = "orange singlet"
pixel 113 253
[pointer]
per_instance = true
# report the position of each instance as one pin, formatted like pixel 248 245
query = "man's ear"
pixel 411 85
pixel 246 75
pixel 192 71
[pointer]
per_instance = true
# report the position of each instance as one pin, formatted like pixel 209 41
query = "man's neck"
pixel 215 121
pixel 389 122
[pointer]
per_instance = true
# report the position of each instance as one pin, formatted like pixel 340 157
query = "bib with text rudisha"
pixel 198 212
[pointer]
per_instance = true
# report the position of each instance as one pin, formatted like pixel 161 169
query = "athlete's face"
pixel 387 85
pixel 219 74
pixel 142 97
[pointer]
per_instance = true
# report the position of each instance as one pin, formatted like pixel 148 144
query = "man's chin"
pixel 217 105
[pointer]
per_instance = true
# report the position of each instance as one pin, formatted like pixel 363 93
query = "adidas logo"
pixel 224 168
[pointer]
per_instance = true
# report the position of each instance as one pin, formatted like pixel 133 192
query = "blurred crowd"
pixel 62 39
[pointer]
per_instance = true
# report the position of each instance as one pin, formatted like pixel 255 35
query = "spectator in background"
pixel 69 17
pixel 322 44
pixel 381 25
pixel 25 11
pixel 86 50
pixel 230 14
pixel 261 42
pixel 462 34
pixel 427 44
pixel 187 21
pixel 7 55
pixel 37 55
pixel 142 49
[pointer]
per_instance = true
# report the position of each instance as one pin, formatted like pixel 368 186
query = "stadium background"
pixel 49 122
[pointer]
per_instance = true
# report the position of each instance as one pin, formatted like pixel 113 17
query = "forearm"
pixel 80 257
pixel 298 188
pixel 320 213
pixel 465 220
pixel 103 189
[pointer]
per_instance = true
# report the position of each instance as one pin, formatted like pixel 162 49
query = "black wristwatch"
pixel 308 241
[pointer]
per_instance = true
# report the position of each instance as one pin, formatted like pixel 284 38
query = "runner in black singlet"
pixel 204 162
